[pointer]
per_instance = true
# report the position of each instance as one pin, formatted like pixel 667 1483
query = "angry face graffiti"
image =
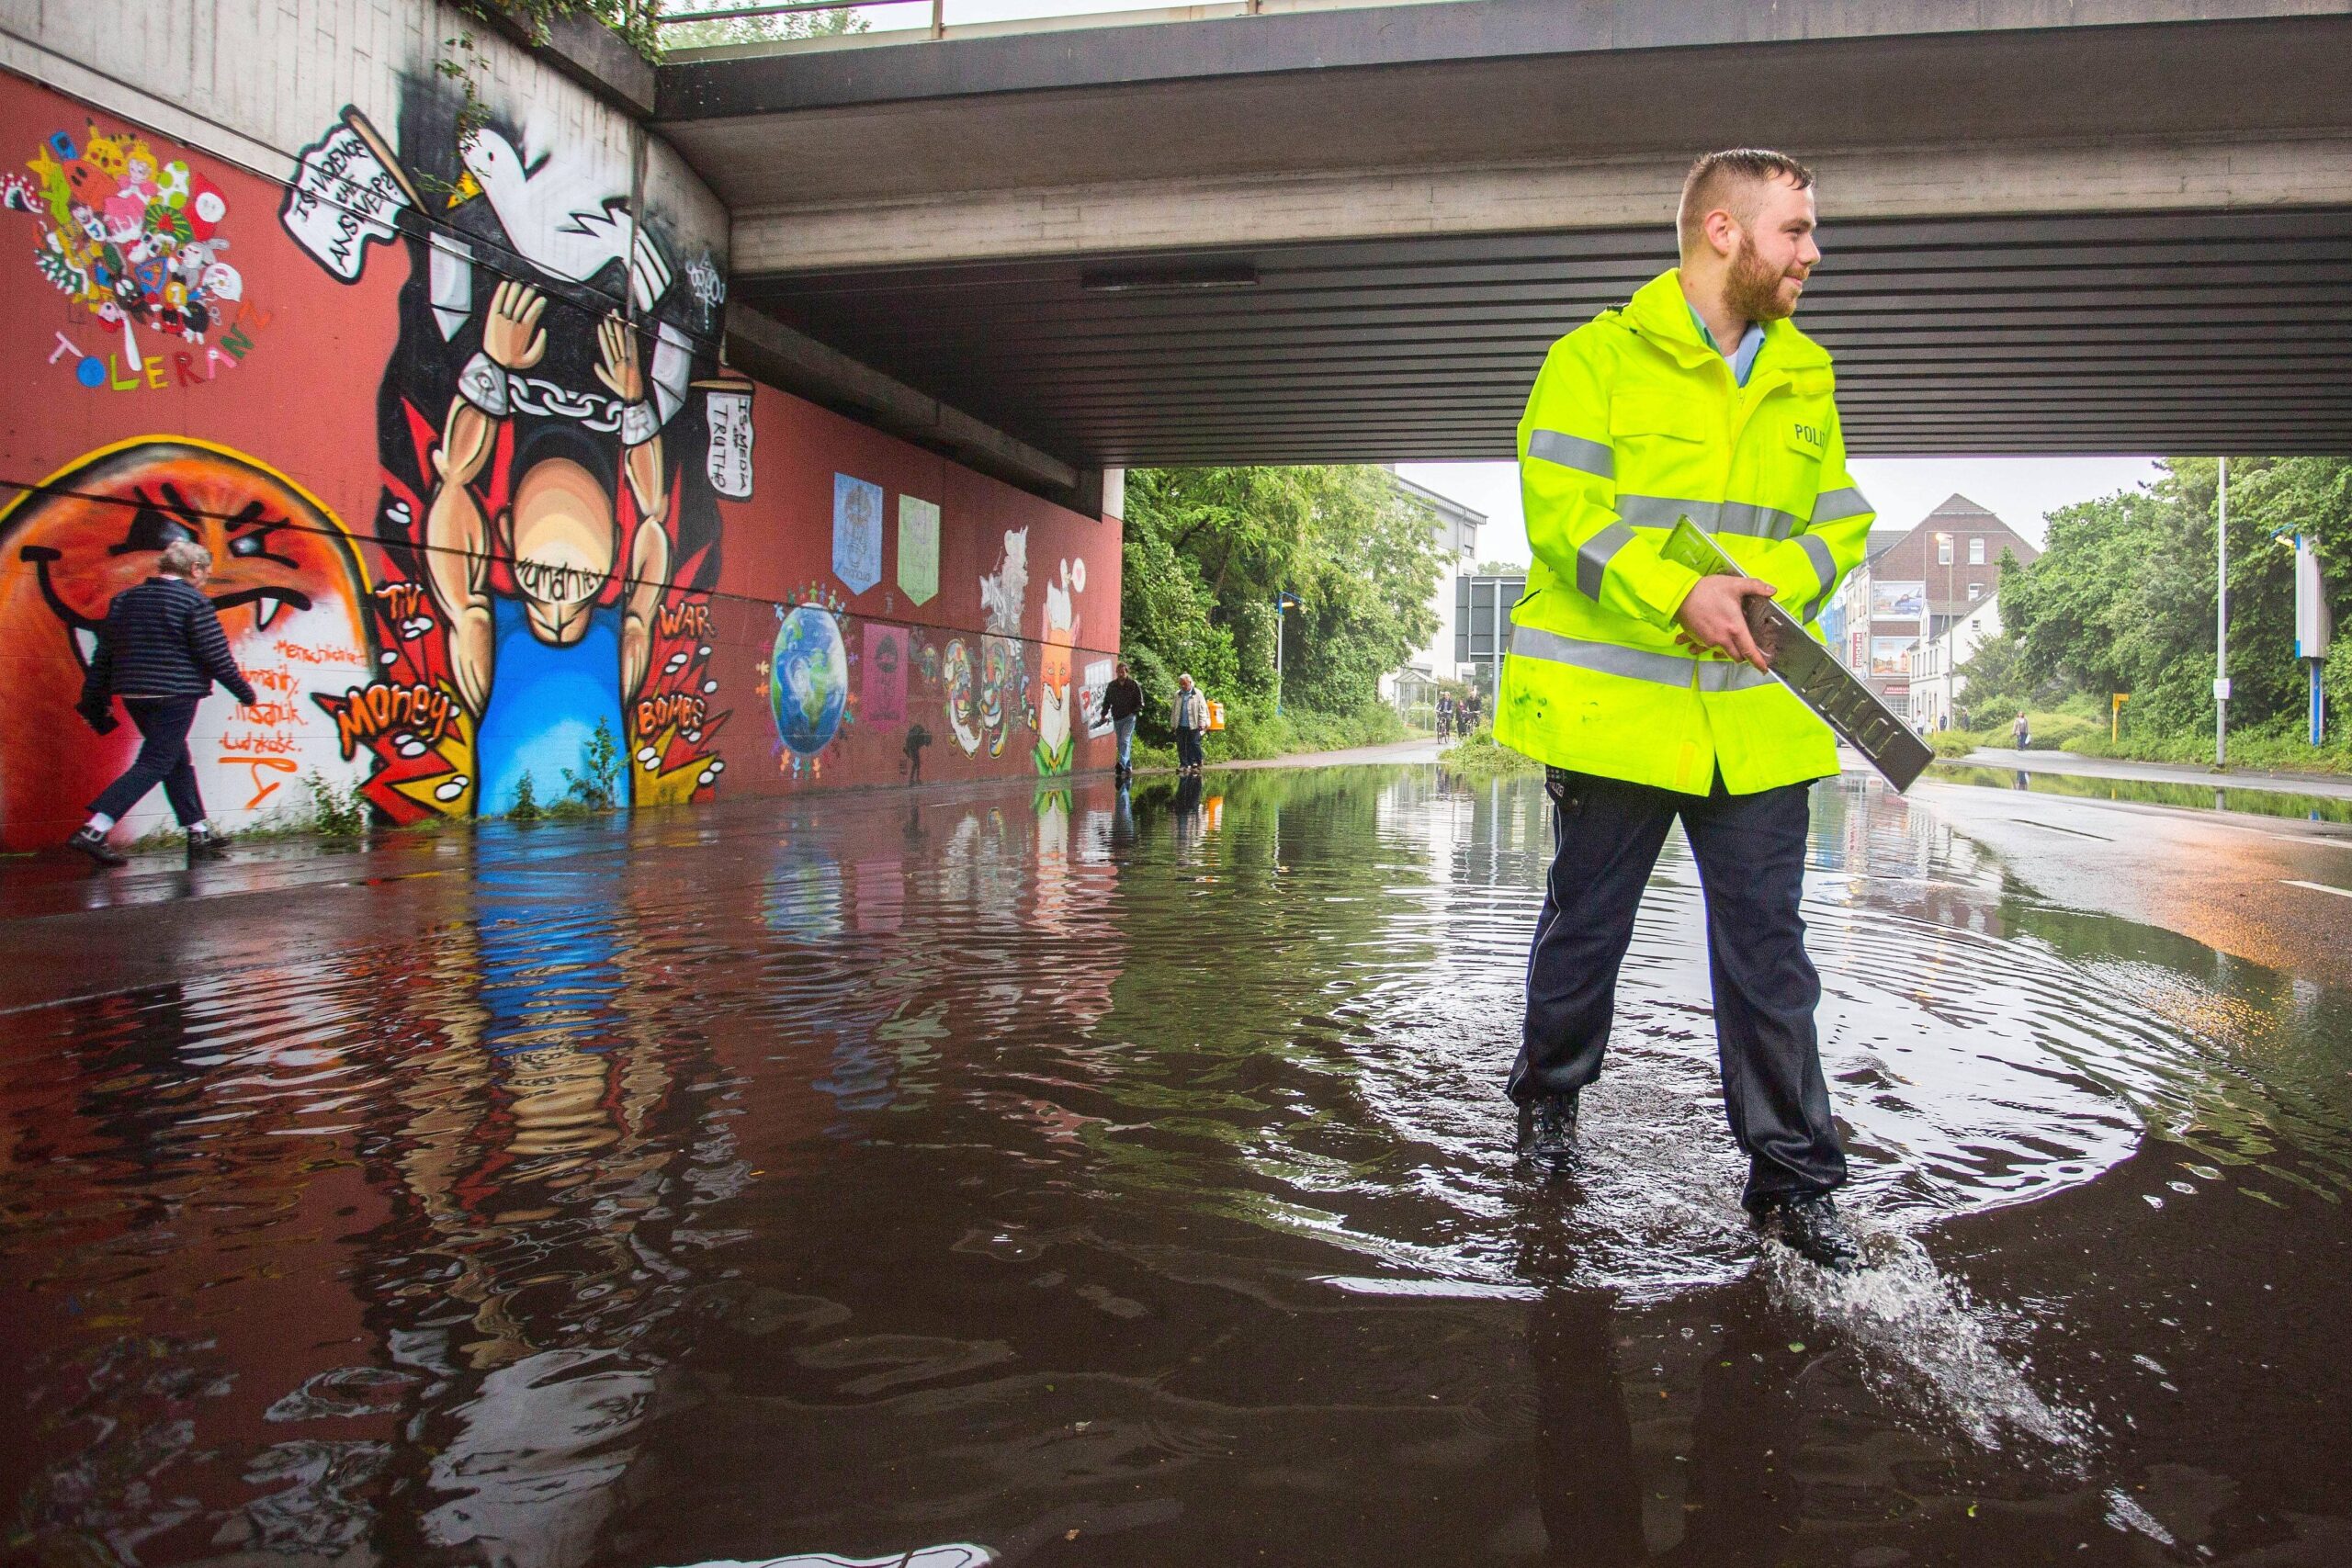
pixel 285 580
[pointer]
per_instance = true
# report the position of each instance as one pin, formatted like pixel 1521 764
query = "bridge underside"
pixel 2149 332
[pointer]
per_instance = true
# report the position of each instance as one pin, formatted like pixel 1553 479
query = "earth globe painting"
pixel 808 679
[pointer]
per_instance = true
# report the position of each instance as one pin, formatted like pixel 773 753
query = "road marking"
pixel 2053 827
pixel 2317 887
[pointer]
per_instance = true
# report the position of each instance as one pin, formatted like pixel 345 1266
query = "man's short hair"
pixel 1732 180
pixel 183 557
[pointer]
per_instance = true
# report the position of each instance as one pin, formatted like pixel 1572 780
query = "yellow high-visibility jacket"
pixel 1635 421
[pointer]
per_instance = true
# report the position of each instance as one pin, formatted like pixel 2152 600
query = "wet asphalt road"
pixel 1052 1176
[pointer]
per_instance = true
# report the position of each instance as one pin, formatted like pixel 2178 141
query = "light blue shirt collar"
pixel 1743 360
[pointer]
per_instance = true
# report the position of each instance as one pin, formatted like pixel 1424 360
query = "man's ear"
pixel 1723 233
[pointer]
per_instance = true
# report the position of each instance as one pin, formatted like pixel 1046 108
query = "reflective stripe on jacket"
pixel 1634 422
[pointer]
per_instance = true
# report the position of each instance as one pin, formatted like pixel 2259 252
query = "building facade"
pixel 1938 689
pixel 1912 589
pixel 1410 685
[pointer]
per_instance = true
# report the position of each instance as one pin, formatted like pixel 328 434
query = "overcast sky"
pixel 2022 492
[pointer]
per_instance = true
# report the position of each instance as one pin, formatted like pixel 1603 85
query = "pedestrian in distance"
pixel 1638 684
pixel 917 739
pixel 1189 717
pixel 160 650
pixel 1444 715
pixel 2022 732
pixel 1121 700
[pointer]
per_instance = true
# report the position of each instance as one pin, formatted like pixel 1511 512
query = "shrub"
pixel 338 811
pixel 527 800
pixel 599 788
pixel 1480 756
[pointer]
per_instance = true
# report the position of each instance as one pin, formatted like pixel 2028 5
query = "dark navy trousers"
pixel 1750 850
pixel 164 759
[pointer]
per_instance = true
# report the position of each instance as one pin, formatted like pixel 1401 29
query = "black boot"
pixel 1551 1137
pixel 1808 1224
pixel 208 846
pixel 93 844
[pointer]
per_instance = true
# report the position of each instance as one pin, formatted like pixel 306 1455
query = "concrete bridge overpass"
pixel 1349 231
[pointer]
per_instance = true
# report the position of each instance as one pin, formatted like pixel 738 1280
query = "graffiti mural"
pixel 136 244
pixel 486 504
pixel 286 581
pixel 552 550
pixel 1054 689
pixel 984 694
pixel 807 681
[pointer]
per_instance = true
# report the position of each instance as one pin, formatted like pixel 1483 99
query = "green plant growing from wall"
pixel 338 811
pixel 599 788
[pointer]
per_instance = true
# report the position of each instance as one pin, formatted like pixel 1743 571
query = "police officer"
pixel 1638 684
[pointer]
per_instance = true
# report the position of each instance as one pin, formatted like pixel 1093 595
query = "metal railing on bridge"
pixel 825 24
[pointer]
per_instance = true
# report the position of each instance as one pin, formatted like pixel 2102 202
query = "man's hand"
pixel 1716 616
pixel 512 336
pixel 617 347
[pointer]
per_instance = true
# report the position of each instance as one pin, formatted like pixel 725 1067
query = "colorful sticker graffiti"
pixel 287 581
pixel 858 533
pixel 136 244
pixel 882 687
pixel 807 680
pixel 918 550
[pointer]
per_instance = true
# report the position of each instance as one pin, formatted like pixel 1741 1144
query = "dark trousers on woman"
pixel 1188 748
pixel 1750 850
pixel 162 759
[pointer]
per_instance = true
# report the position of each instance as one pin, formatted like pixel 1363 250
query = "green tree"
pixel 2122 598
pixel 1207 549
pixel 829 23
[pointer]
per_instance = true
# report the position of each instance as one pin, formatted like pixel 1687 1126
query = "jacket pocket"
pixel 1640 413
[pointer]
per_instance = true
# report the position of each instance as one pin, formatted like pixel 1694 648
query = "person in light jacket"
pixel 1189 717
pixel 160 650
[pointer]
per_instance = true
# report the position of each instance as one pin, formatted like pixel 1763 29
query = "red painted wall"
pixel 304 427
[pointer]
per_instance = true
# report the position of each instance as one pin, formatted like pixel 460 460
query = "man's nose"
pixel 1809 252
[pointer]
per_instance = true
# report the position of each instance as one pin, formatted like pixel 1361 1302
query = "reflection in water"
pixel 1034 1169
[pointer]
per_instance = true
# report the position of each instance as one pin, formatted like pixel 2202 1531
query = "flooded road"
pixel 971 1176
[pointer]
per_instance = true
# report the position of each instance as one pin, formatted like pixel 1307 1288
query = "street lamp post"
pixel 2221 625
pixel 1284 599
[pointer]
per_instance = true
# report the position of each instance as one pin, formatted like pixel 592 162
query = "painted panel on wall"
pixel 485 503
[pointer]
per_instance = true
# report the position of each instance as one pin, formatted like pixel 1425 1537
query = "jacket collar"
pixel 1660 314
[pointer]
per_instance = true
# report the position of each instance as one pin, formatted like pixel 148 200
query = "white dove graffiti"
pixel 553 219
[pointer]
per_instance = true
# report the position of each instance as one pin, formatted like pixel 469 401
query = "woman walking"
pixel 161 650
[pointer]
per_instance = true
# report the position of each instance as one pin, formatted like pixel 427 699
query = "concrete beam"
pixel 1209 213
pixel 767 349
pixel 784 79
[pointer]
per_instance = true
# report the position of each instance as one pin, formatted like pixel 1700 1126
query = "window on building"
pixel 1943 549
pixel 1976 591
pixel 1975 554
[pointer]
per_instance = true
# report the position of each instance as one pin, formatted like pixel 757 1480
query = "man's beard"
pixel 1753 286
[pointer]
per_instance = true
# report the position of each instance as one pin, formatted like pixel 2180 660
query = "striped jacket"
pixel 162 639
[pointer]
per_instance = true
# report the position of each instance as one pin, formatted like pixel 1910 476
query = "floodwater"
pixel 969 1175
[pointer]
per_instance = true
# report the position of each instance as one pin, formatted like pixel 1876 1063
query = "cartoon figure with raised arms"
pixel 539 668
